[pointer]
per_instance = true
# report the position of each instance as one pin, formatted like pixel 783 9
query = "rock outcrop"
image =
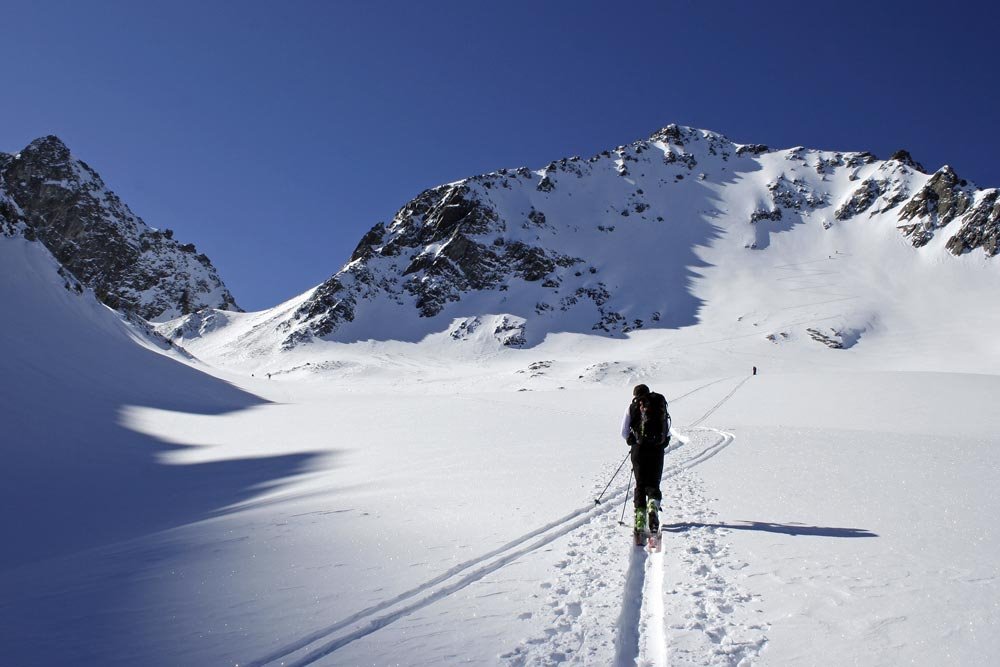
pixel 63 203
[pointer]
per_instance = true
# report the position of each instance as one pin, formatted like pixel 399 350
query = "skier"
pixel 646 429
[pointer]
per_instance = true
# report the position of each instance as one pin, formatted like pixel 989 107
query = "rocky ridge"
pixel 578 245
pixel 62 202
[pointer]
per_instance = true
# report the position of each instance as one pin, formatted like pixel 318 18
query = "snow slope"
pixel 429 500
pixel 463 529
pixel 73 475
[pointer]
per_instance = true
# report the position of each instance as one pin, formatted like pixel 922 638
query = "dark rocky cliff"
pixel 63 203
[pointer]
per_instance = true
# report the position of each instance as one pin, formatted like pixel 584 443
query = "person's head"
pixel 640 390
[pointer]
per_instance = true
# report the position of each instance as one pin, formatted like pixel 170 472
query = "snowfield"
pixel 431 501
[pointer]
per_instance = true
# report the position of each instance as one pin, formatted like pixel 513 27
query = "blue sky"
pixel 274 134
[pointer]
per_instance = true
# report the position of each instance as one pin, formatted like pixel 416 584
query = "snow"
pixel 429 499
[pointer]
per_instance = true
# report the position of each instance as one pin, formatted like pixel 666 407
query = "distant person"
pixel 755 370
pixel 646 429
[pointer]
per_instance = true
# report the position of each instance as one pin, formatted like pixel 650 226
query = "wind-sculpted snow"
pixel 62 202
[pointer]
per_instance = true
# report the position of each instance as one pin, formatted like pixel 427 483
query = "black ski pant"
pixel 647 465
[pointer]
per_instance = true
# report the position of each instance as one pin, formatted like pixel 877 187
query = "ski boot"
pixel 653 510
pixel 640 526
pixel 654 535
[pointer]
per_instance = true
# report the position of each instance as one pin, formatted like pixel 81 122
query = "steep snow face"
pixel 73 476
pixel 130 266
pixel 655 234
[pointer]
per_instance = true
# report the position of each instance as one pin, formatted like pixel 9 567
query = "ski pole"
pixel 597 501
pixel 628 493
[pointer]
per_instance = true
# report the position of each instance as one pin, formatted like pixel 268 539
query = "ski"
pixel 647 531
pixel 651 541
pixel 654 542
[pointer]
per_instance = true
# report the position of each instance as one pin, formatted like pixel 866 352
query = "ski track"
pixel 679 606
pixel 596 550
pixel 640 634
pixel 718 405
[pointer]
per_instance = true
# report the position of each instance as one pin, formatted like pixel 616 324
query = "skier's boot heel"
pixel 653 510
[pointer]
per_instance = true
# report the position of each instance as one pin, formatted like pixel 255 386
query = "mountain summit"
pixel 616 242
pixel 62 202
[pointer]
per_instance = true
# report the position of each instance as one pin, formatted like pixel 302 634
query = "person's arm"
pixel 627 423
pixel 666 426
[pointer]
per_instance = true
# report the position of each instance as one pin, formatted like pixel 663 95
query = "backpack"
pixel 651 422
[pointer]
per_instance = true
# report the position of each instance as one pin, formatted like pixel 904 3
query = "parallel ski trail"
pixel 650 647
pixel 718 405
pixel 627 636
pixel 427 585
pixel 444 591
pixel 641 636
pixel 654 636
pixel 372 619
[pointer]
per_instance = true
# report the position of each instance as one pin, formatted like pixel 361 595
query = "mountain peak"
pixel 605 244
pixel 904 156
pixel 679 134
pixel 49 148
pixel 64 204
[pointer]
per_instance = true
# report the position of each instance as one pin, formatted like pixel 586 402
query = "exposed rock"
pixel 858 159
pixel 794 194
pixel 752 149
pixel 765 214
pixel 443 231
pixel 64 204
pixel 835 339
pixel 466 328
pixel 831 339
pixel 862 198
pixel 943 199
pixel 907 159
pixel 510 332
pixel 610 321
pixel 672 157
pixel 670 134
pixel 980 227
pixel 371 239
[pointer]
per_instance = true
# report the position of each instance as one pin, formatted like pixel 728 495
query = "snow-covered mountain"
pixel 429 499
pixel 62 202
pixel 625 240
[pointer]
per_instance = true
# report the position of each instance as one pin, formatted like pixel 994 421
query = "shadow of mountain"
pixel 72 476
pixel 76 484
pixel 794 529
